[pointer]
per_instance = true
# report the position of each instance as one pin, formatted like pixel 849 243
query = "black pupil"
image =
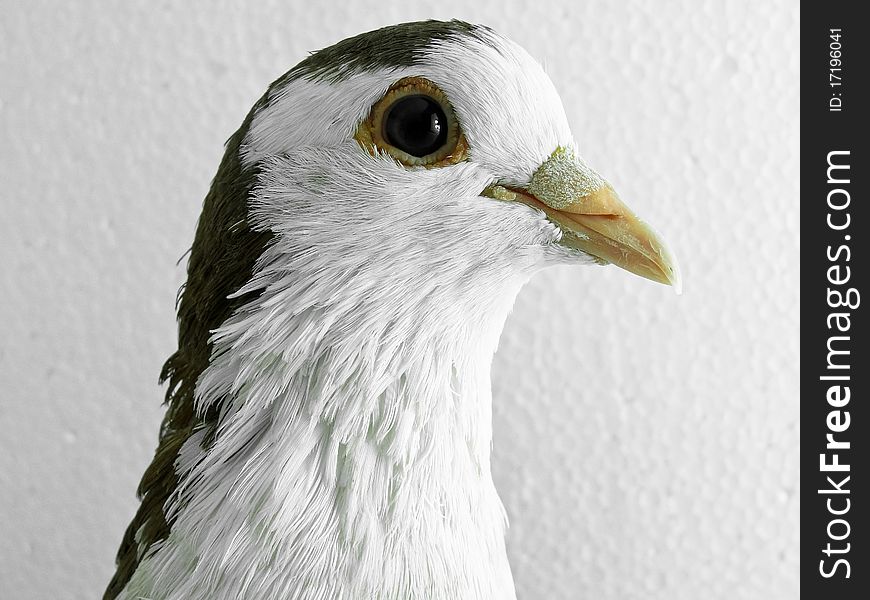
pixel 416 125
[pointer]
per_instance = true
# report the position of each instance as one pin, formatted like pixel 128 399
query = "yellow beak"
pixel 593 219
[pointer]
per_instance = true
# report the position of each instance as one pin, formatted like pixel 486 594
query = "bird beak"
pixel 593 219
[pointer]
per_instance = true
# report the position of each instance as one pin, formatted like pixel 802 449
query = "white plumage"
pixel 351 458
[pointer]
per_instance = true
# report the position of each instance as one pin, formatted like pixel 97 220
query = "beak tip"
pixel 677 284
pixel 674 277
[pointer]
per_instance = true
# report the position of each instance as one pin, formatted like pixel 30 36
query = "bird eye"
pixel 415 124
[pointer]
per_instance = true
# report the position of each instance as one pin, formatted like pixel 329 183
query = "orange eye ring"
pixel 372 133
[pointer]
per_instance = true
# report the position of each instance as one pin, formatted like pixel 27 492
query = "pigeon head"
pixel 328 431
pixel 433 155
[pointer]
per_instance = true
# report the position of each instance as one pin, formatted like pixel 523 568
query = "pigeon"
pixel 328 426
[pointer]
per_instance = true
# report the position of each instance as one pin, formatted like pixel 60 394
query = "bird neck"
pixel 348 439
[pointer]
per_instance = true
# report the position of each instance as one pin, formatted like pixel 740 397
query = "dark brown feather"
pixel 221 261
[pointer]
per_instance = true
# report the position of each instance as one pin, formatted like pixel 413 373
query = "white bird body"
pixel 350 458
pixel 352 465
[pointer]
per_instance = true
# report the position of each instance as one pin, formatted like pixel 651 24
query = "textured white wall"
pixel 645 444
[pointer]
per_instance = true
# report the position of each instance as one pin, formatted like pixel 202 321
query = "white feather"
pixel 354 459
